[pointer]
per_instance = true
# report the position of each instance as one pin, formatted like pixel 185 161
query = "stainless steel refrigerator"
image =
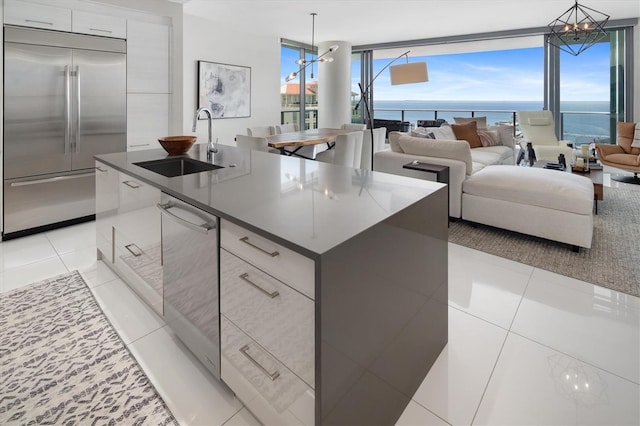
pixel 64 101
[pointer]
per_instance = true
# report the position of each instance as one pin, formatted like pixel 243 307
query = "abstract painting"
pixel 224 89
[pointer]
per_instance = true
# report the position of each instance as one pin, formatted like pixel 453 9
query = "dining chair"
pixel 379 136
pixel 353 126
pixel 347 151
pixel 286 128
pixel 261 131
pixel 255 143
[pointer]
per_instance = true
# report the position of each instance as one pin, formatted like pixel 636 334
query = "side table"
pixel 441 172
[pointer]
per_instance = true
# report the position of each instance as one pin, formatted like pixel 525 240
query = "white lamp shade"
pixel 412 72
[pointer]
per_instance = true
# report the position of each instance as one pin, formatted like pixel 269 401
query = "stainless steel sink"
pixel 180 166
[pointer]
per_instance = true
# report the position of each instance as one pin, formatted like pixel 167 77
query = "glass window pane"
pixel 585 92
pixel 289 91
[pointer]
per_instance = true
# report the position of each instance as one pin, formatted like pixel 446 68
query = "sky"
pixel 505 75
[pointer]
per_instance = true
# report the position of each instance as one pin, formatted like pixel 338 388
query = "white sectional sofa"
pixel 486 187
pixel 462 160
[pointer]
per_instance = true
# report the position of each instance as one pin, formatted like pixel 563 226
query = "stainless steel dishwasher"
pixel 190 278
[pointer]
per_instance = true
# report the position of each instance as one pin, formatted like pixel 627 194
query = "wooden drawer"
pixel 37 15
pixel 273 393
pixel 277 317
pixel 101 25
pixel 286 265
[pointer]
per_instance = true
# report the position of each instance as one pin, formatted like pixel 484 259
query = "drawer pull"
pixel 137 252
pixel 245 352
pixel 34 21
pixel 101 169
pixel 101 31
pixel 270 253
pixel 131 185
pixel 245 277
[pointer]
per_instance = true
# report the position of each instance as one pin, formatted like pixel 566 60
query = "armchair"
pixel 538 128
pixel 625 154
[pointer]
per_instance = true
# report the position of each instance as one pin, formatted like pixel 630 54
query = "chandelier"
pixel 577 29
pixel 321 58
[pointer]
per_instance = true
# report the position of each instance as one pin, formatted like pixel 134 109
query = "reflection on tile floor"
pixel 526 346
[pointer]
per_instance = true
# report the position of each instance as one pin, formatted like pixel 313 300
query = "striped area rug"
pixel 611 262
pixel 61 361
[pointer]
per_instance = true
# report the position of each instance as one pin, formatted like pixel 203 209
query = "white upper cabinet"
pixel 37 15
pixel 101 25
pixel 147 57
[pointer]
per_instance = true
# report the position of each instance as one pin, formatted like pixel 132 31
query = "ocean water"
pixel 580 125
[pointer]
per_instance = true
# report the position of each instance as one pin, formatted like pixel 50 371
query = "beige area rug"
pixel 613 261
pixel 61 361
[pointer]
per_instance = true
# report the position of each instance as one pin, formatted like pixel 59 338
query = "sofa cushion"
pixel 480 121
pixel 503 153
pixel 467 132
pixel 533 186
pixel 486 157
pixel 626 132
pixel 456 150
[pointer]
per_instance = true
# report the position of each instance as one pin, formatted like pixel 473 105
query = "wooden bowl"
pixel 177 145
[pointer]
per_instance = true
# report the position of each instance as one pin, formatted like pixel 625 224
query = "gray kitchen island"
pixel 308 288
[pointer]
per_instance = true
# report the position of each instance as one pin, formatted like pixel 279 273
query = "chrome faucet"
pixel 211 147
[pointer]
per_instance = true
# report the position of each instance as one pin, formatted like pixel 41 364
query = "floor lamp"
pixel 411 72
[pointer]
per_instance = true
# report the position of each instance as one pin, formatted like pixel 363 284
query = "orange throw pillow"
pixel 467 132
pixel 625 137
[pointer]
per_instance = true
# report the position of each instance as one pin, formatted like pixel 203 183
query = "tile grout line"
pixel 591 364
pixel 504 342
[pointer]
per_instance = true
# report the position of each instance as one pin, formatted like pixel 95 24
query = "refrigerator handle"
pixel 78 109
pixel 67 108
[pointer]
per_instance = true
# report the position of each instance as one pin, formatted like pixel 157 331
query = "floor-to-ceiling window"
pixel 491 83
pixel 592 91
pixel 588 93
pixel 298 96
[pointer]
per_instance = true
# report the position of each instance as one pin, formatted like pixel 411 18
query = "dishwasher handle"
pixel 204 228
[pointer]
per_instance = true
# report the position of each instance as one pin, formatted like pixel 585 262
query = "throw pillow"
pixel 488 137
pixel 636 137
pixel 626 132
pixel 443 132
pixel 467 132
pixel 505 134
pixel 420 132
pixel 481 121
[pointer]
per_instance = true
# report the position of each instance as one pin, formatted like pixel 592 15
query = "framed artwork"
pixel 224 89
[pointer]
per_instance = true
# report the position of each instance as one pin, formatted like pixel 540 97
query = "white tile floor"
pixel 526 346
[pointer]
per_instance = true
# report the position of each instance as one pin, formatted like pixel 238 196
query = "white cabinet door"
pixel 37 15
pixel 147 57
pixel 101 25
pixel 147 120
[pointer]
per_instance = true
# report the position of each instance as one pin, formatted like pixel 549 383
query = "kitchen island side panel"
pixel 379 328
